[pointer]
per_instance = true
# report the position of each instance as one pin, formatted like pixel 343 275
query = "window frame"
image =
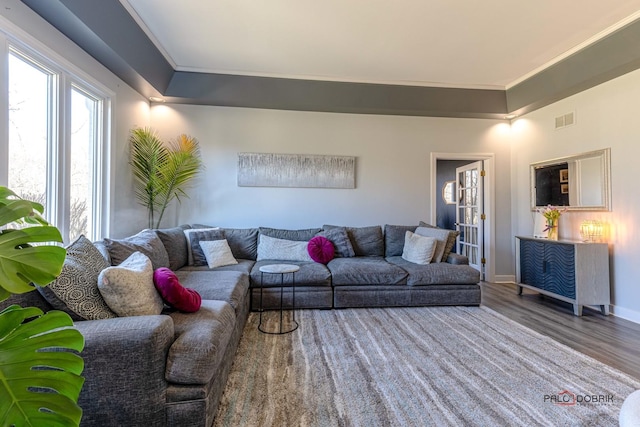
pixel 66 78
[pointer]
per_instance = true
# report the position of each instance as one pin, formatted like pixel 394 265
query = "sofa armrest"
pixel 457 259
pixel 125 361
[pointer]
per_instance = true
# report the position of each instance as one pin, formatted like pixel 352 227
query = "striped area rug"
pixel 433 366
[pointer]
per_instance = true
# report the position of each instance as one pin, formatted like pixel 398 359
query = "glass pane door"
pixel 469 213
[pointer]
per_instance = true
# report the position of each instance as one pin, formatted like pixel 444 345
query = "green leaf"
pixel 39 373
pixel 22 264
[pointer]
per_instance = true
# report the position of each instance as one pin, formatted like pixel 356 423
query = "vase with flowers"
pixel 552 216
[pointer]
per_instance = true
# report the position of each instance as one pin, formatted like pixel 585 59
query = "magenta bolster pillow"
pixel 173 293
pixel 321 249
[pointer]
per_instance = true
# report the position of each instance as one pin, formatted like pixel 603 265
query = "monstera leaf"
pixel 39 377
pixel 21 263
pixel 39 372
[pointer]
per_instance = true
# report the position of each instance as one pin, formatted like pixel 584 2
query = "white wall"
pixel 392 166
pixel 607 116
pixel 130 109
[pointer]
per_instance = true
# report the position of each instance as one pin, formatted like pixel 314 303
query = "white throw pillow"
pixel 217 252
pixel 280 249
pixel 440 235
pixel 128 288
pixel 418 249
pixel 187 235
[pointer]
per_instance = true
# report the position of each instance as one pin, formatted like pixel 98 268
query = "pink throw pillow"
pixel 321 249
pixel 173 293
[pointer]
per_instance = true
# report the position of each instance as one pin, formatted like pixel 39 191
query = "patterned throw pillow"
pixel 75 291
pixel 128 288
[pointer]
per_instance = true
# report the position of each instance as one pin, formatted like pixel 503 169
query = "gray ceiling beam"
pixel 105 30
pixel 336 97
pixel 608 58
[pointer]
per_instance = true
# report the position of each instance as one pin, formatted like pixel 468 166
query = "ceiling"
pixel 465 43
pixel 439 58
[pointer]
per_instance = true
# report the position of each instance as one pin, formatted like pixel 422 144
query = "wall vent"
pixel 565 120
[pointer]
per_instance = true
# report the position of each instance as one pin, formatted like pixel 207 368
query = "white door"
pixel 470 215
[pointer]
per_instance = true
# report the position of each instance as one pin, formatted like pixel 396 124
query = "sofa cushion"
pixel 75 290
pixel 365 271
pixel 451 240
pixel 418 249
pixel 175 243
pixel 441 273
pixel 303 235
pixel 321 249
pixel 243 242
pixel 217 253
pixel 366 241
pixel 280 249
pixel 229 286
pixel 310 274
pixel 243 266
pixel 394 238
pixel 146 241
pixel 194 237
pixel 201 340
pixel 128 288
pixel 340 239
pixel 173 293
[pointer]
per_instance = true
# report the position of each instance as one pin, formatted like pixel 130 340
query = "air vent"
pixel 565 120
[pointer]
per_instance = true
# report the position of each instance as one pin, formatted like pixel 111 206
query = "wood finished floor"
pixel 609 339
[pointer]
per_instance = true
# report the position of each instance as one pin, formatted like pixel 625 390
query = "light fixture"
pixel 510 116
pixel 156 99
pixel 591 230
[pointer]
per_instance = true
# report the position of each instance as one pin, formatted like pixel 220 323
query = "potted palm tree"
pixel 40 370
pixel 162 171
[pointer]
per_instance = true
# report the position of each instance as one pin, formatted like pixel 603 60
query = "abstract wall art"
pixel 296 170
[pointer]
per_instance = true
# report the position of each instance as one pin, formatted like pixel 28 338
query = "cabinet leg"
pixel 577 309
pixel 605 309
pixel 519 290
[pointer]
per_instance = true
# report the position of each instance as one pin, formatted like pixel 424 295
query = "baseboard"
pixel 625 313
pixel 505 278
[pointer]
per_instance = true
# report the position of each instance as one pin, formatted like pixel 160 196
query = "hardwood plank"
pixel 609 339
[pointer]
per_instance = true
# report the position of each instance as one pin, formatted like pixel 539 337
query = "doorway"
pixel 478 238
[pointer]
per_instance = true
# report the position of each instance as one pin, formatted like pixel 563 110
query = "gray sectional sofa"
pixel 171 368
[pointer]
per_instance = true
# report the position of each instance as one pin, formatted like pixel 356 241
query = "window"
pixel 57 142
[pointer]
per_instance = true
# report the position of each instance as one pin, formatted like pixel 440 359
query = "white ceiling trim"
pixel 601 35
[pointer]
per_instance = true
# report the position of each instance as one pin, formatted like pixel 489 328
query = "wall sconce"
pixel 591 230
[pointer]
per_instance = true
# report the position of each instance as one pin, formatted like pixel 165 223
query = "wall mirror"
pixel 579 182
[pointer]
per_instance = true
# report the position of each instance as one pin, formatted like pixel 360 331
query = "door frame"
pixel 489 201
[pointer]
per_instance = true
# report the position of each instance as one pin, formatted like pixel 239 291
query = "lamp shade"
pixel 591 230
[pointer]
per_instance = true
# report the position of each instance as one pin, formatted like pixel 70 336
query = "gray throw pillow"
pixel 146 241
pixel 366 241
pixel 175 243
pixel 451 241
pixel 197 236
pixel 75 291
pixel 243 242
pixel 394 238
pixel 341 243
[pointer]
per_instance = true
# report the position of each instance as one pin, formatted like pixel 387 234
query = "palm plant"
pixel 162 171
pixel 39 374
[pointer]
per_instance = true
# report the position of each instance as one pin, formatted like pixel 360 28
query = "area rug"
pixel 432 366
